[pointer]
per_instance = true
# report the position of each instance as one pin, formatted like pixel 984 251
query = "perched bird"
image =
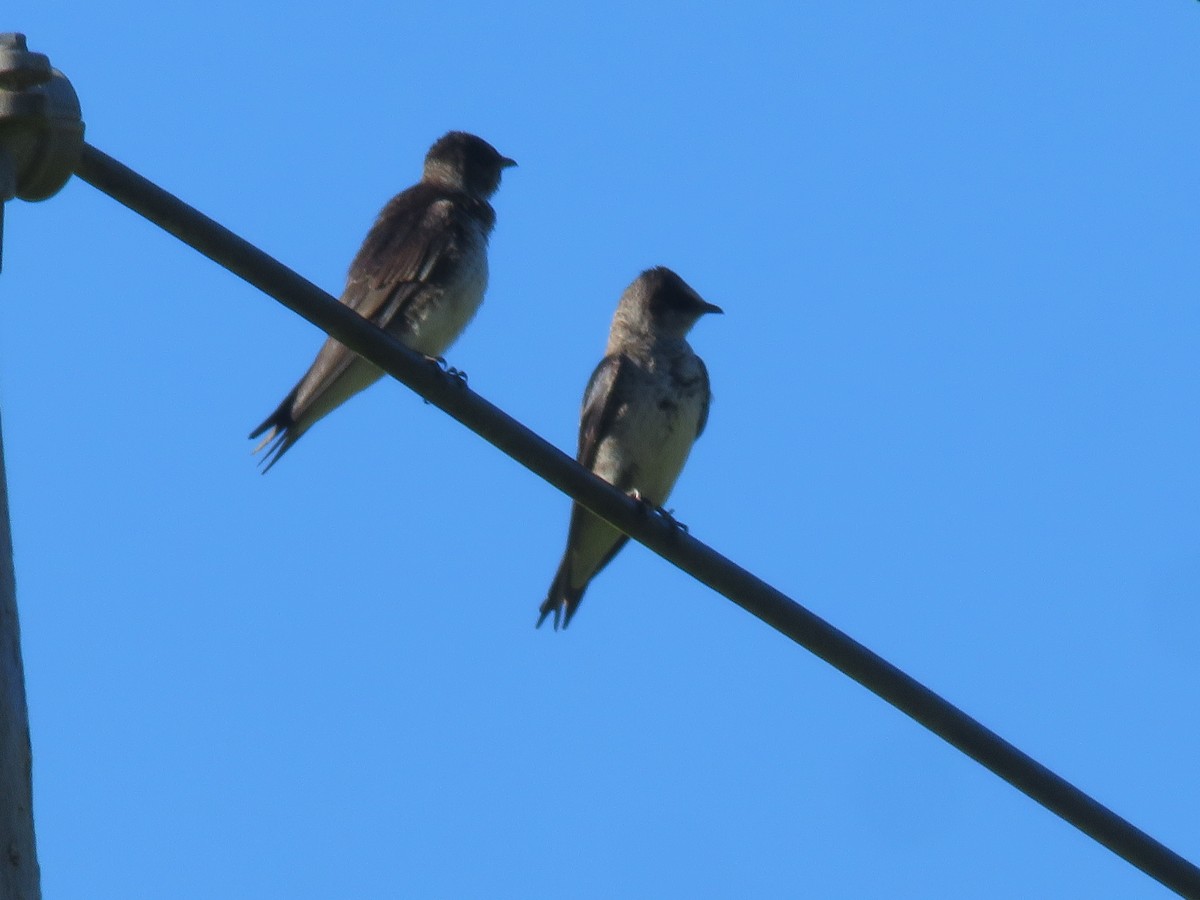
pixel 419 275
pixel 643 408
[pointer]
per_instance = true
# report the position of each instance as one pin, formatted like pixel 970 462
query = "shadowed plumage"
pixel 420 275
pixel 643 408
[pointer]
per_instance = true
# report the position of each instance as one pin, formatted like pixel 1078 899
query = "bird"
pixel 645 404
pixel 420 275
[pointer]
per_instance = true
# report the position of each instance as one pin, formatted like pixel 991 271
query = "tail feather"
pixel 280 432
pixel 331 381
pixel 562 601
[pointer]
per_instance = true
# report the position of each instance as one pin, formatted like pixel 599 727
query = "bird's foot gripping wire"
pixel 649 508
pixel 457 374
pixel 441 363
pixel 669 515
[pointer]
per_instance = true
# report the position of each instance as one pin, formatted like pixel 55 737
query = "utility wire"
pixel 660 535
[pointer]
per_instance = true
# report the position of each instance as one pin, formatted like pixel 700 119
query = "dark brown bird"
pixel 420 275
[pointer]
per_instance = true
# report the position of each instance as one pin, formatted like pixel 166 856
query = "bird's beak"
pixel 711 308
pixel 506 163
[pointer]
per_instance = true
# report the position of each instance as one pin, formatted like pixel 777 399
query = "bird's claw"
pixel 457 374
pixel 648 508
pixel 669 515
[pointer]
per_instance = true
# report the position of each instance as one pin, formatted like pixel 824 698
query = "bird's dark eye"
pixel 682 300
pixel 668 301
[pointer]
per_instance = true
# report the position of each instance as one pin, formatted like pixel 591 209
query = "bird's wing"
pixel 601 404
pixel 416 236
pixel 707 398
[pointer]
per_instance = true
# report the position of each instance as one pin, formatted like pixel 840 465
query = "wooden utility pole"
pixel 41 135
pixel 19 874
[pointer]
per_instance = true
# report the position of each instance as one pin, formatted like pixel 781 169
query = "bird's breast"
pixel 651 435
pixel 449 307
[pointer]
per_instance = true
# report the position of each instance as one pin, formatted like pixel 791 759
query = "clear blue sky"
pixel 956 415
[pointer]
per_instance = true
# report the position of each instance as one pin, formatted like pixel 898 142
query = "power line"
pixel 664 538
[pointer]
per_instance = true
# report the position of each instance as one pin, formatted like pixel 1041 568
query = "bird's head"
pixel 463 162
pixel 661 304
